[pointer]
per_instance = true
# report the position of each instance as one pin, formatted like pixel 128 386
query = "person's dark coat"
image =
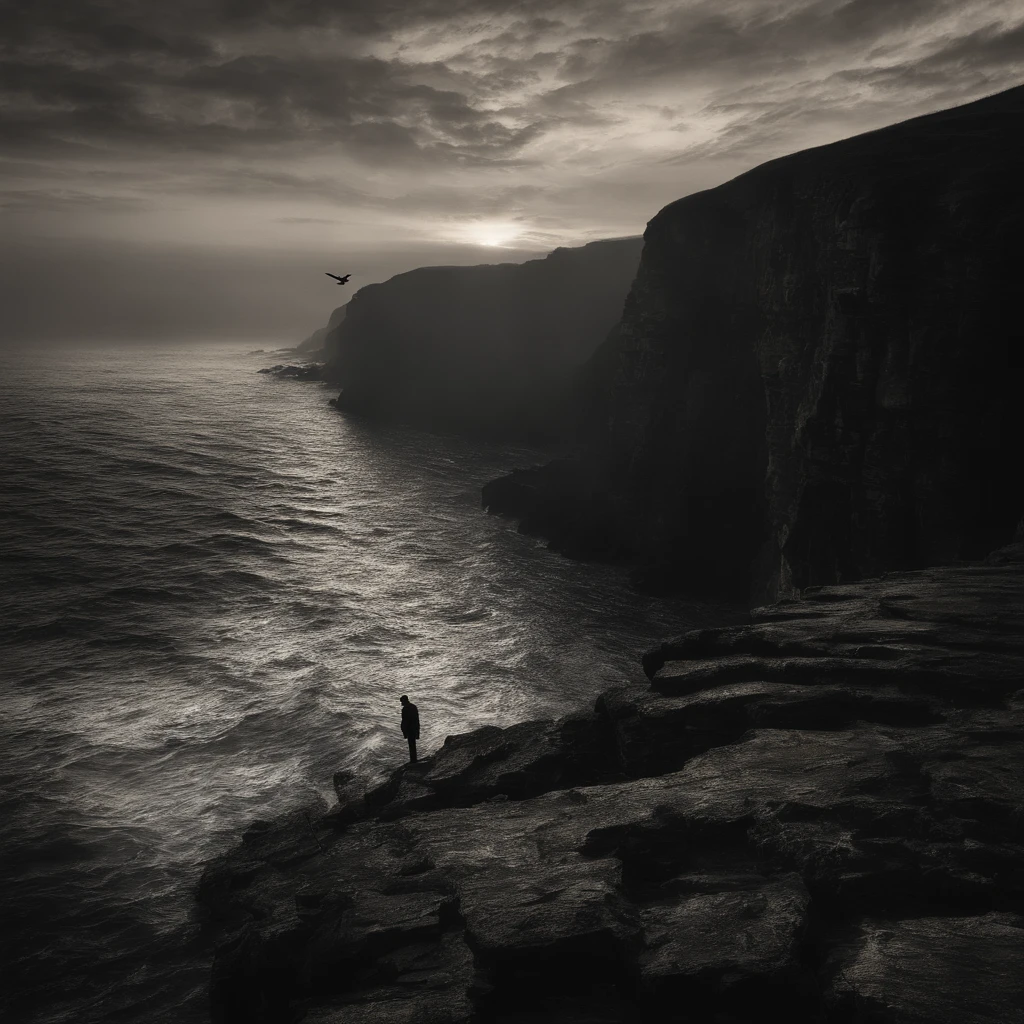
pixel 410 721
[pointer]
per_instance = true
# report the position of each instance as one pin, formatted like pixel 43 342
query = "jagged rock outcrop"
pixel 817 816
pixel 295 371
pixel 492 347
pixel 819 368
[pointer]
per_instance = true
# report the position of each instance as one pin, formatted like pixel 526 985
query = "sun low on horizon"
pixel 240 143
pixel 490 234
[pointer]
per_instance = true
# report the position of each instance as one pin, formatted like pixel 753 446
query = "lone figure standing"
pixel 410 725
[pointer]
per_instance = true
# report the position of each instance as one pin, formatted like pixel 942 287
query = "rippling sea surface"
pixel 214 589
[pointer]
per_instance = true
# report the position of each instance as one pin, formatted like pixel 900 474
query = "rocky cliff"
pixel 816 817
pixel 818 372
pixel 485 347
pixel 317 342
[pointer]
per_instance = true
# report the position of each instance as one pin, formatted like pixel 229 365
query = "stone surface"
pixel 737 943
pixel 818 371
pixel 806 837
pixel 298 371
pixel 549 909
pixel 351 806
pixel 922 970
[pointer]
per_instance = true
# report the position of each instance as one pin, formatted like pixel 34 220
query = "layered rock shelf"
pixel 819 816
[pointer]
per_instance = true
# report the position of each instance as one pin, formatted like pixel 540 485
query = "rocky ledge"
pixel 820 814
pixel 298 371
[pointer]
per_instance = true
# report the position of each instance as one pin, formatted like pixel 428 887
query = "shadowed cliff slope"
pixel 486 347
pixel 317 341
pixel 818 372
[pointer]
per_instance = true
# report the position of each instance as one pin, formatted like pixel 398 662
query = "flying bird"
pixel 340 280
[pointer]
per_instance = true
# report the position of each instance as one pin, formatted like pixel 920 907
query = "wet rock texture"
pixel 819 815
pixel 818 371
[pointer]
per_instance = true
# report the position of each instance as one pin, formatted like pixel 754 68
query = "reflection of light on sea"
pixel 221 589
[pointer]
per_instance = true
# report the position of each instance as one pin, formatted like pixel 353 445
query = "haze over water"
pixel 214 589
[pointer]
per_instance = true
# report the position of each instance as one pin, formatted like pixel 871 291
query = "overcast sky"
pixel 194 166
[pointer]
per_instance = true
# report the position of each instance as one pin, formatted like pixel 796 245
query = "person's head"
pixel 404 699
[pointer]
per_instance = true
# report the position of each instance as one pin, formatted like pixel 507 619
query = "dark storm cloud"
pixel 91 28
pixel 376 108
pixel 215 76
pixel 705 43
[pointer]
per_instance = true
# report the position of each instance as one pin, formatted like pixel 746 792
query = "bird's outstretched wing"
pixel 340 280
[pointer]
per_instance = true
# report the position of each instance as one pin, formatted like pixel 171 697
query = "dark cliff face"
pixel 481 347
pixel 317 341
pixel 818 373
pixel 893 373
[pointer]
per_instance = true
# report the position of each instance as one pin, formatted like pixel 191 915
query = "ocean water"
pixel 213 590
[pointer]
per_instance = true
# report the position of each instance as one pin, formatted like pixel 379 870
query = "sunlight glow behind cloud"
pixel 491 233
pixel 318 126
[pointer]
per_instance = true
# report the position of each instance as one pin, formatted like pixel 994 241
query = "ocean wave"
pixel 238 543
pixel 292 661
pixel 378 636
pixel 185 549
pixel 311 611
pixel 158 468
pixel 146 595
pixel 136 641
pixel 240 579
pixel 54 629
pixel 306 526
pixel 471 615
pixel 223 517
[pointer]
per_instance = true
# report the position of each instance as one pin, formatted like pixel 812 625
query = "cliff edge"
pixel 815 817
pixel 818 372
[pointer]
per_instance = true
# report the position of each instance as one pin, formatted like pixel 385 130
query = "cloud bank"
pixel 333 125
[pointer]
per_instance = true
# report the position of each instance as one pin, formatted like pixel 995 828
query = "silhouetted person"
pixel 410 725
